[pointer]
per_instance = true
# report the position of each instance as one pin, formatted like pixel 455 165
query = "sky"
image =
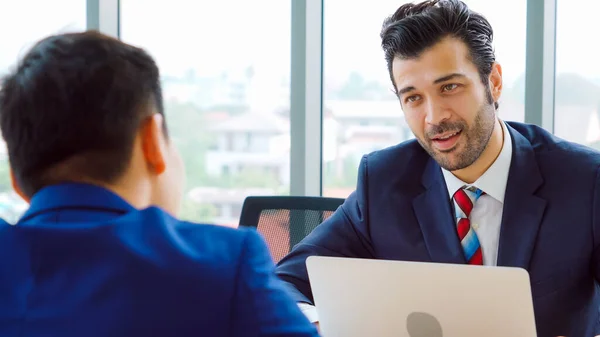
pixel 214 36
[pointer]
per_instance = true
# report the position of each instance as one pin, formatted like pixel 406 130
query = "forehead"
pixel 448 56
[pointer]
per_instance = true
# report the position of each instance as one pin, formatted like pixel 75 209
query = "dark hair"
pixel 413 28
pixel 72 107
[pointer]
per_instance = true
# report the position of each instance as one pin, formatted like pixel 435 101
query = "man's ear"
pixel 496 81
pixel 153 143
pixel 16 188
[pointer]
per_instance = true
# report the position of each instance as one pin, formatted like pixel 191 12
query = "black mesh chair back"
pixel 285 221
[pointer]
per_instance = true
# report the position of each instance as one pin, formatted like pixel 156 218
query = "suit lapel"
pixel 523 211
pixel 435 216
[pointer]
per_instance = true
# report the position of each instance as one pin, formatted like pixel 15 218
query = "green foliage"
pixel 190 131
pixel 245 179
pixel 5 184
pixel 201 213
pixel 573 89
pixel 356 88
pixel 347 178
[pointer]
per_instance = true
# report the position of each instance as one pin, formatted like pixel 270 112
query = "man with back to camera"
pixel 98 252
pixel 470 188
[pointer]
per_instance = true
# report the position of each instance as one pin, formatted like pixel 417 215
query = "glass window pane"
pixel 577 87
pixel 22 24
pixel 226 79
pixel 360 113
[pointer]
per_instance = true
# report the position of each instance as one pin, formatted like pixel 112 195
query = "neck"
pixel 136 193
pixel 492 150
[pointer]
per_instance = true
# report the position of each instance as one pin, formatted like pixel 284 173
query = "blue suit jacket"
pixel 550 224
pixel 83 262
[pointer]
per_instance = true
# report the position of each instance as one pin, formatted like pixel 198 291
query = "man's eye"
pixel 449 87
pixel 412 98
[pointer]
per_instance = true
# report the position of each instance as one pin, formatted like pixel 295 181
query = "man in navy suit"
pixel 99 252
pixel 470 188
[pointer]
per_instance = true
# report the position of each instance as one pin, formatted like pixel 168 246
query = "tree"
pixel 348 176
pixel 188 129
pixel 353 88
pixel 356 88
pixel 573 89
pixel 246 178
pixel 5 183
pixel 202 213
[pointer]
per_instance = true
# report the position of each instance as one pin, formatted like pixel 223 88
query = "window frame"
pixel 306 85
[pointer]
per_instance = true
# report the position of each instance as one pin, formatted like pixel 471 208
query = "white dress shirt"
pixel 486 215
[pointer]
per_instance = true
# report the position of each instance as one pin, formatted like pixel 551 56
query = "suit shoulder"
pixel 406 157
pixel 549 147
pixel 181 242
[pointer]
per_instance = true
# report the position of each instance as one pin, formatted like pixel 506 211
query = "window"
pixel 23 23
pixel 577 86
pixel 225 75
pixel 357 87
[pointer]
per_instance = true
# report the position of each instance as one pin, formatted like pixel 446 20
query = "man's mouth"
pixel 446 141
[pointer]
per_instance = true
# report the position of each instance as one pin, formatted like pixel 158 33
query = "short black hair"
pixel 72 108
pixel 413 28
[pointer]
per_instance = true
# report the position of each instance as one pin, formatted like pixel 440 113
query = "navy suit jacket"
pixel 550 224
pixel 83 262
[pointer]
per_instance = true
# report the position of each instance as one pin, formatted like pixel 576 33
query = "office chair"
pixel 284 221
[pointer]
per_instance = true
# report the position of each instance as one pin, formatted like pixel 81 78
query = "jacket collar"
pixel 75 196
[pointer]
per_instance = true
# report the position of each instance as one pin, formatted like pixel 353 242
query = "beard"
pixel 474 139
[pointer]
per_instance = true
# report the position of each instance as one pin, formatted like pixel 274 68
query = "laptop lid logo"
pixel 421 324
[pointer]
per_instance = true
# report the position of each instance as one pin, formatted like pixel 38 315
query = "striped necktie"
pixel 464 199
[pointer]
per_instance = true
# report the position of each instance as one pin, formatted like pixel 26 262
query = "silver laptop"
pixel 359 297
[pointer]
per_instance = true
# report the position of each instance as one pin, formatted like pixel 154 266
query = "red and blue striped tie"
pixel 464 199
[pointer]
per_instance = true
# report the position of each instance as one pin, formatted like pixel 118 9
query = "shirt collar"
pixel 493 181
